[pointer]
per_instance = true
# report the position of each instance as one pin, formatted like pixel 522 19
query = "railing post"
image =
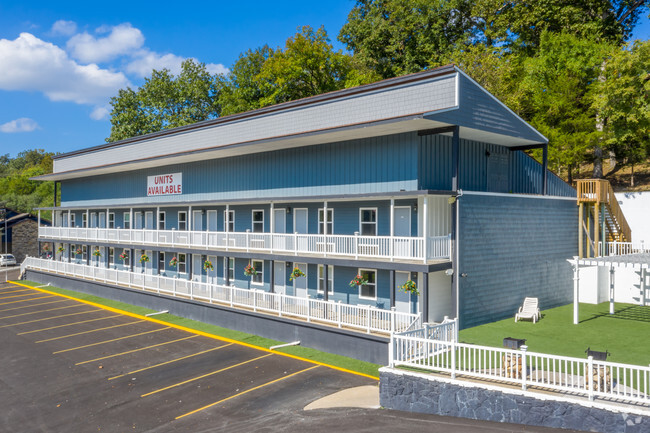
pixel 295 243
pixel 280 304
pixel 392 321
pixel 453 360
pixel 308 309
pixel 368 319
pixel 590 377
pixel 248 234
pixel 254 299
pixel 338 313
pixel 523 348
pixel 174 286
pixel 232 294
pixel 356 245
pixel 391 351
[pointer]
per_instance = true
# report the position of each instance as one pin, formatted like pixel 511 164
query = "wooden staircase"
pixel 600 217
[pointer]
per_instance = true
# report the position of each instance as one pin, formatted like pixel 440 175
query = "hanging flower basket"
pixel 124 256
pixel 296 273
pixel 358 281
pixel 410 287
pixel 46 247
pixel 173 262
pixel 79 251
pixel 144 258
pixel 60 249
pixel 97 253
pixel 207 266
pixel 249 270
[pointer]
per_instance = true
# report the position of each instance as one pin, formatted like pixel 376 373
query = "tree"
pixel 17 190
pixel 623 103
pixel 165 101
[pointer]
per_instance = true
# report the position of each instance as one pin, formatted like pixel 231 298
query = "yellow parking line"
pixel 39 311
pixel 18 296
pixel 136 350
pixel 26 300
pixel 171 361
pixel 69 324
pixel 13 291
pixel 34 305
pixel 194 331
pixel 109 341
pixel 204 375
pixel 92 330
pixel 50 318
pixel 247 391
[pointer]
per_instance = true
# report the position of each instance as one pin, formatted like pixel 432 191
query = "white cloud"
pixel 122 39
pixel 24 124
pixel 31 64
pixel 145 61
pixel 63 27
pixel 100 113
pixel 216 68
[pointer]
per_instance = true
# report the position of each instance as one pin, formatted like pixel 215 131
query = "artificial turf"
pixel 303 352
pixel 621 334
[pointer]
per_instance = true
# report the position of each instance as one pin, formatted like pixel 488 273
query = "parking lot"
pixel 72 366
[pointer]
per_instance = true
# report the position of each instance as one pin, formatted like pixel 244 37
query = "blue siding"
pixel 510 248
pixel 382 164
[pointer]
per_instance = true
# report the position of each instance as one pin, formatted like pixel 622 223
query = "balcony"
pixel 343 246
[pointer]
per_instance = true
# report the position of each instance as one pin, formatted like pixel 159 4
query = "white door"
pixel 137 220
pixel 93 220
pixel 300 284
pixel 300 227
pixel 212 220
pixel 197 221
pixel 148 220
pixel 279 278
pixel 102 220
pixel 212 274
pixel 148 266
pixel 402 228
pixel 279 221
pixel 197 267
pixel 402 300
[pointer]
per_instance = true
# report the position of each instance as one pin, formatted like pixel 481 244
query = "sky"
pixel 61 61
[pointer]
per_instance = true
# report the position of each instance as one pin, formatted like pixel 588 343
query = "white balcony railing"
pixel 378 247
pixel 365 318
pixel 624 248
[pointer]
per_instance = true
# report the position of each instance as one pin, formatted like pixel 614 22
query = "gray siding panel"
pixel 510 248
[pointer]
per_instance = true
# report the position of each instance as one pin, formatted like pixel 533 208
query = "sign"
pixel 165 184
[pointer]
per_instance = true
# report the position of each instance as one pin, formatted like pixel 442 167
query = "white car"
pixel 7 260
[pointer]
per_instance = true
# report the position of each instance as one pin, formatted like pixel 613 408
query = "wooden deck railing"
pixel 599 191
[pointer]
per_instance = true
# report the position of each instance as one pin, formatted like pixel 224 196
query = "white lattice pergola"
pixel 639 262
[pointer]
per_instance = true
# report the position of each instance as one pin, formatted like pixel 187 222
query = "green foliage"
pixel 165 101
pixel 17 190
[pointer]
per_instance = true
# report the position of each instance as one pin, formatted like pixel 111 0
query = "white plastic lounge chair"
pixel 530 310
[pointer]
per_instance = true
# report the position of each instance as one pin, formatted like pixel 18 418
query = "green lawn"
pixel 303 352
pixel 621 334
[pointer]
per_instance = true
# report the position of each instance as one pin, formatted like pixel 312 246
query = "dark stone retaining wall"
pixel 369 348
pixel 421 393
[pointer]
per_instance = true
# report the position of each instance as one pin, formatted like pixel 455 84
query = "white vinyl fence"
pixel 624 248
pixel 586 377
pixel 366 318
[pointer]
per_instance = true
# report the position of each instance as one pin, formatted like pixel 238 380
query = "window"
pixel 229 220
pixel 258 278
pixel 111 220
pixel 111 256
pixel 72 221
pixel 127 262
pixel 330 221
pixel 182 220
pixel 330 279
pixel 258 221
pixel 368 221
pixel 182 263
pixel 84 254
pixel 161 221
pixel 84 220
pixel 231 268
pixel 161 262
pixel 368 291
pixel 127 220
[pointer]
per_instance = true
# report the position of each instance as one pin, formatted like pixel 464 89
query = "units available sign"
pixel 165 184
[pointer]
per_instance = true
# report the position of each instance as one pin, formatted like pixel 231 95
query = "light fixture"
pixel 463 275
pixel 288 209
pixel 288 264
pixel 415 208
pixel 449 272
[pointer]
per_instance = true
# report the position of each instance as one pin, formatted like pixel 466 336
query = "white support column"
pixel 69 218
pixel 325 221
pixel 611 289
pixel 425 225
pixel 576 290
pixel 87 218
pixel 392 228
pixel 106 225
pixel 226 220
pixel 131 226
pixel 272 220
pixel 39 219
pixel 156 218
pixel 642 286
pixel 190 217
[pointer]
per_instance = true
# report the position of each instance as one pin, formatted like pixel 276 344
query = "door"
pixel 148 220
pixel 197 267
pixel 212 220
pixel 402 228
pixel 102 220
pixel 300 227
pixel 402 300
pixel 93 220
pixel 148 266
pixel 212 274
pixel 197 221
pixel 300 284
pixel 279 221
pixel 137 220
pixel 280 278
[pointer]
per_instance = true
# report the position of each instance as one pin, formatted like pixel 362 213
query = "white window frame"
pixel 111 220
pixel 162 220
pixel 330 278
pixel 111 256
pixel 126 220
pixel 228 261
pixel 253 222
pixel 259 273
pixel 84 253
pixel 330 225
pixel 72 220
pixel 161 262
pixel 184 222
pixel 361 222
pixel 181 262
pixel 359 272
pixel 84 220
pixel 230 222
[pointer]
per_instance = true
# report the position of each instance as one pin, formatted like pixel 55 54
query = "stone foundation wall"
pixel 24 236
pixel 415 392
